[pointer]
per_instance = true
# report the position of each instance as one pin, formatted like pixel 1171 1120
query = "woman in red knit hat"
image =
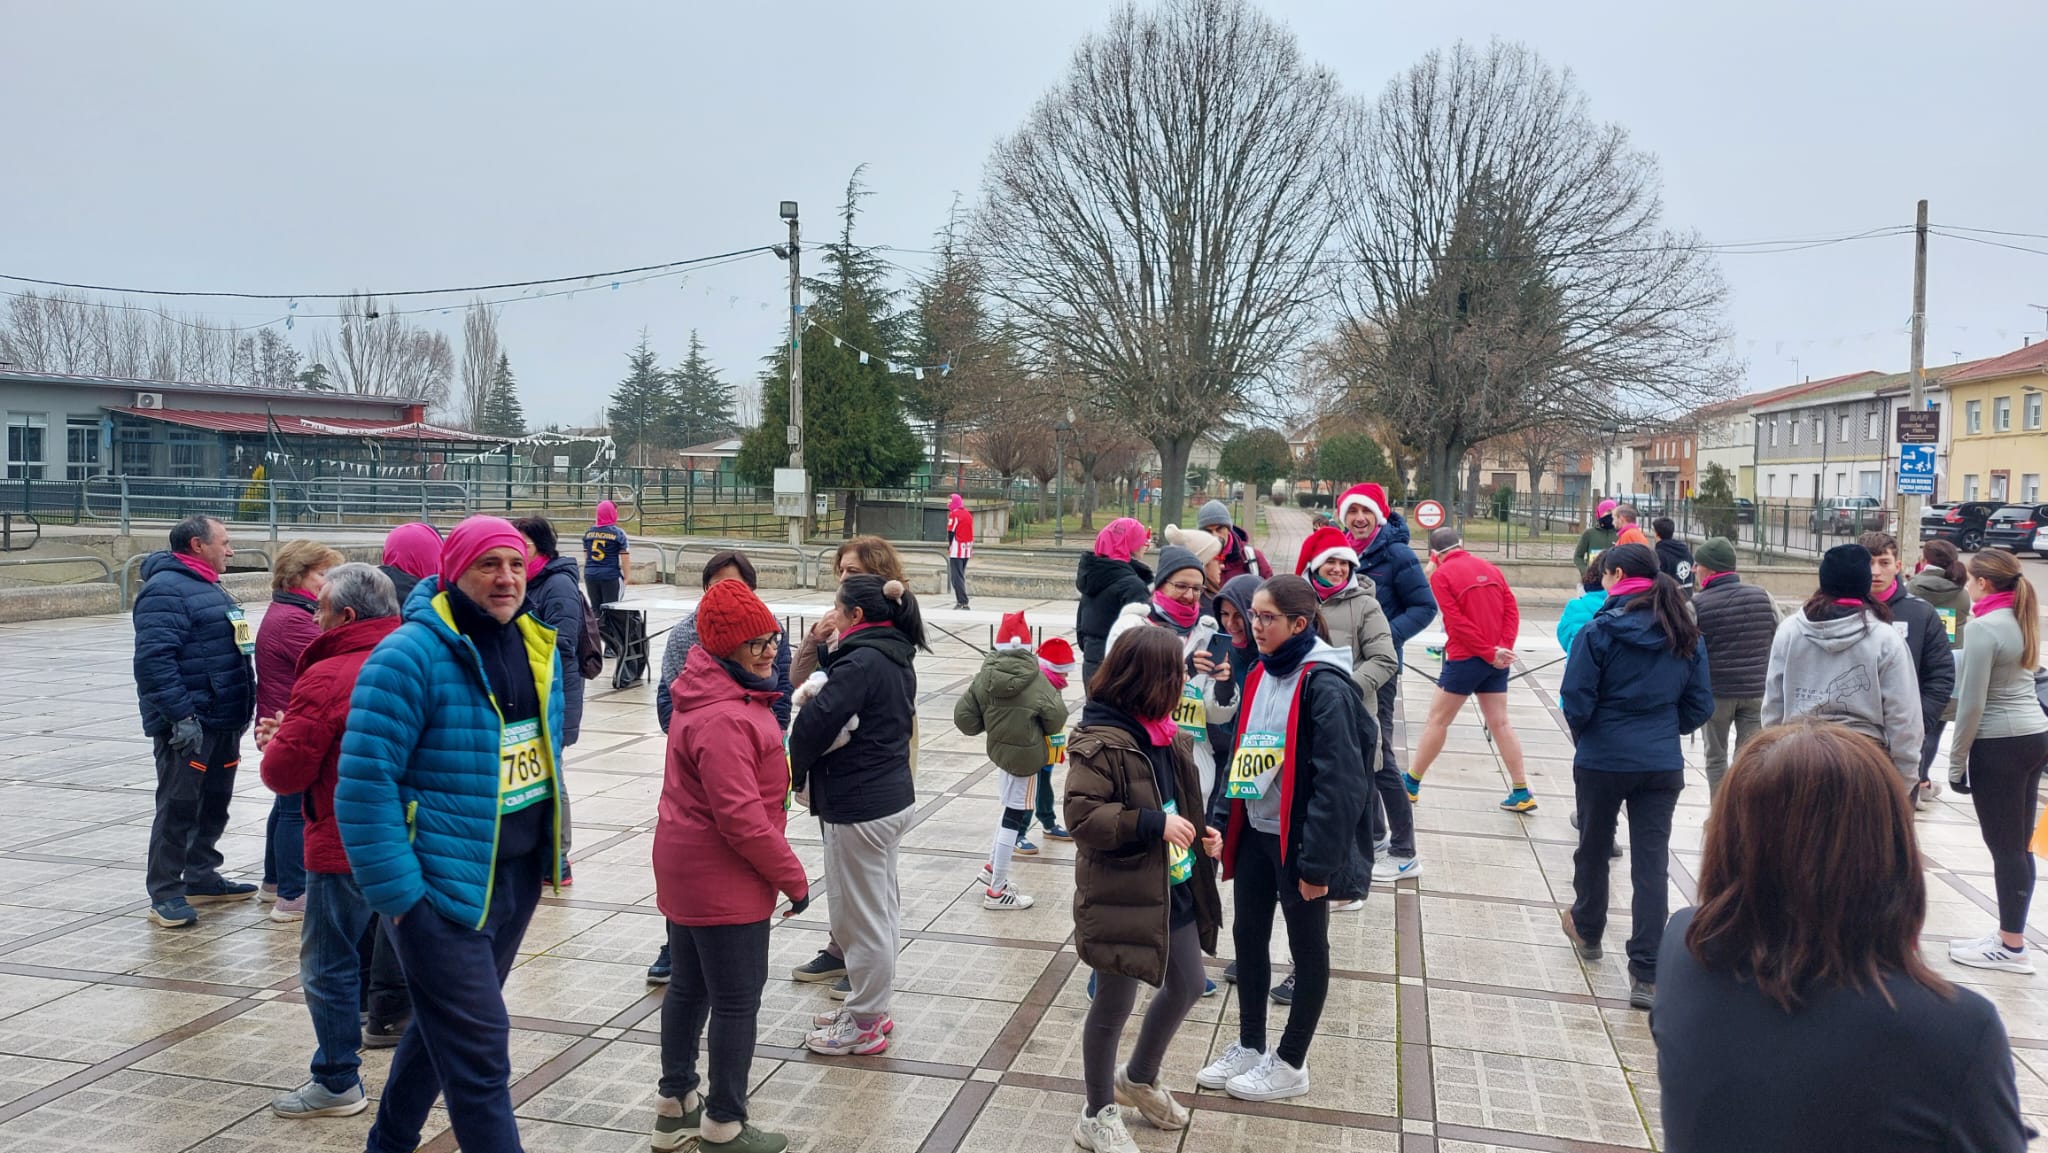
pixel 720 859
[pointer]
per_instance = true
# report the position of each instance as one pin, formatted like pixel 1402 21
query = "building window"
pixel 2030 487
pixel 1970 483
pixel 187 449
pixel 1820 429
pixel 1774 432
pixel 1688 450
pixel 1795 434
pixel 28 434
pixel 1842 428
pixel 2001 414
pixel 1872 425
pixel 1973 417
pixel 81 447
pixel 2031 412
pixel 1770 484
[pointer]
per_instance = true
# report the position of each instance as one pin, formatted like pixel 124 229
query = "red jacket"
pixel 720 852
pixel 1479 608
pixel 303 756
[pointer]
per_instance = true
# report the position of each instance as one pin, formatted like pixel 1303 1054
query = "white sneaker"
pixel 987 877
pixel 1348 906
pixel 1153 1102
pixel 1272 1080
pixel 1104 1132
pixel 1236 1059
pixel 1391 869
pixel 1990 953
pixel 1924 795
pixel 1005 899
pixel 1381 847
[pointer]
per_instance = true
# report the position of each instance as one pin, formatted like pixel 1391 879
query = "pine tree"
pixel 700 400
pixel 854 432
pixel 503 415
pixel 639 408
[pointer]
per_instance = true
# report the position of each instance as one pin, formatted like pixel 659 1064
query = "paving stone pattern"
pixel 1458 1020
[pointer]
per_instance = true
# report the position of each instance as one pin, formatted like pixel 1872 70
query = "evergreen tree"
pixel 950 326
pixel 700 400
pixel 639 408
pixel 854 432
pixel 503 415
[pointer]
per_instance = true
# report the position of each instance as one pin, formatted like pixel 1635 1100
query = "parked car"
pixel 1745 510
pixel 1848 515
pixel 2013 526
pixel 1961 522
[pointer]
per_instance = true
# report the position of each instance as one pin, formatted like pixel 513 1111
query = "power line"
pixel 1991 243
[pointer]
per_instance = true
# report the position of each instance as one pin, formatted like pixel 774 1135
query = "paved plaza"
pixel 1458 1020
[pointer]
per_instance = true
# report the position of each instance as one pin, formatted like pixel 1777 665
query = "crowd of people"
pixel 414 719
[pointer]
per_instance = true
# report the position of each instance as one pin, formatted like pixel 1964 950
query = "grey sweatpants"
pixel 1747 715
pixel 867 906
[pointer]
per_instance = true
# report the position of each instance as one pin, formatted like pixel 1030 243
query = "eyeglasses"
pixel 762 646
pixel 1268 620
pixel 1183 588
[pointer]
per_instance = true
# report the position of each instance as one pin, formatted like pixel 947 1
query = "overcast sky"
pixel 269 147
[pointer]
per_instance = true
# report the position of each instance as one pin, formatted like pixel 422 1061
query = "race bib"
pixel 245 637
pixel 1180 863
pixel 1256 764
pixel 523 775
pixel 1948 620
pixel 1056 749
pixel 1192 713
pixel 1905 634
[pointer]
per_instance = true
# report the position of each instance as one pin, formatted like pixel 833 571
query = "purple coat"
pixel 287 629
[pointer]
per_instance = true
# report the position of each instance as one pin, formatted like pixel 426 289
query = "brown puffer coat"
pixel 1121 906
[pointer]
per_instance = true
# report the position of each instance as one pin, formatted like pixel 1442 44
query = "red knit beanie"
pixel 730 615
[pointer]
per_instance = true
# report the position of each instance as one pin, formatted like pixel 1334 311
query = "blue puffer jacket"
pixel 1398 581
pixel 1578 612
pixel 417 802
pixel 555 595
pixel 1628 697
pixel 187 663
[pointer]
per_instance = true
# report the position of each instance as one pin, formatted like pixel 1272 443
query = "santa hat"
pixel 1324 544
pixel 1370 495
pixel 1057 653
pixel 1013 633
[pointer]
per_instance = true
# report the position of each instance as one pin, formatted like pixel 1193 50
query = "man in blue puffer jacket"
pixel 450 807
pixel 197 688
pixel 1381 538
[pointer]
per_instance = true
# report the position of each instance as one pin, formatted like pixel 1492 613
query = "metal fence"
pixel 1790 529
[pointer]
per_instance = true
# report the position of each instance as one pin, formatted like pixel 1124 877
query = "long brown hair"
pixel 1942 557
pixel 1142 675
pixel 1811 873
pixel 877 557
pixel 2001 571
pixel 1293 597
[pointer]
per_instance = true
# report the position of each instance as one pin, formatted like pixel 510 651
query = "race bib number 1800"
pixel 523 777
pixel 1257 762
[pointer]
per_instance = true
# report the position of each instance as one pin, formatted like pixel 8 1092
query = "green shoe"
pixel 750 1140
pixel 672 1133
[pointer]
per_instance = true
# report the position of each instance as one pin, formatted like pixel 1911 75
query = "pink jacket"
pixel 287 629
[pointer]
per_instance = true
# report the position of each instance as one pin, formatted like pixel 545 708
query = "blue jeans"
pixel 284 847
pixel 330 974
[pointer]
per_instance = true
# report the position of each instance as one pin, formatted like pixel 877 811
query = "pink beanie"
pixel 414 548
pixel 472 539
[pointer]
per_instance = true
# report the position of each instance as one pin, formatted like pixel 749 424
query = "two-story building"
pixel 1665 464
pixel 1825 439
pixel 1997 448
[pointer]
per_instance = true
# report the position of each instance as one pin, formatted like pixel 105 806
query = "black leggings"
pixel 1261 883
pixel 2005 789
pixel 719 972
pixel 1111 1010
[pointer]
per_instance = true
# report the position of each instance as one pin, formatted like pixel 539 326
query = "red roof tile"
pixel 2020 361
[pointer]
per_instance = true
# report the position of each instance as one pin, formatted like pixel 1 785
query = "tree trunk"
pixel 1087 503
pixel 1469 495
pixel 1173 479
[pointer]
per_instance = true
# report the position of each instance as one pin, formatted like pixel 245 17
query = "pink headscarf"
pixel 414 548
pixel 955 503
pixel 607 513
pixel 472 539
pixel 1604 507
pixel 1122 539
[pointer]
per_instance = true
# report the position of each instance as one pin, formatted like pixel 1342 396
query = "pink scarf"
pixel 1184 615
pixel 1717 579
pixel 1362 543
pixel 1890 591
pixel 1160 729
pixel 844 633
pixel 1629 585
pixel 1326 591
pixel 1058 678
pixel 1850 602
pixel 206 573
pixel 1991 603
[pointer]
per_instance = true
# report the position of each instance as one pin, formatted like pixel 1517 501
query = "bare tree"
pixel 1157 220
pixel 1540 448
pixel 69 332
pixel 375 352
pixel 480 353
pixel 1510 267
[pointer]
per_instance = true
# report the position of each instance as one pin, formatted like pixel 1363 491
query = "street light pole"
pixel 1059 481
pixel 796 364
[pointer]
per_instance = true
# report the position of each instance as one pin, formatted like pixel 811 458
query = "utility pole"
pixel 1916 393
pixel 796 367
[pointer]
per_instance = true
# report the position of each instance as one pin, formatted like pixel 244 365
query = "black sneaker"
pixel 1230 973
pixel 173 914
pixel 1587 950
pixel 823 967
pixel 384 1034
pixel 1642 994
pixel 658 973
pixel 1283 993
pixel 842 989
pixel 217 890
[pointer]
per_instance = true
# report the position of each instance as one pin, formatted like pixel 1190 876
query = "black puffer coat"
pixel 1738 623
pixel 1934 663
pixel 869 676
pixel 1106 586
pixel 1329 822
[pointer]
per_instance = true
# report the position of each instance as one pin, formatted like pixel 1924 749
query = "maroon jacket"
pixel 720 853
pixel 303 756
pixel 280 640
pixel 1241 559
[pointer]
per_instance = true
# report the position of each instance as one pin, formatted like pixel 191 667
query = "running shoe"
pixel 1005 899
pixel 1519 801
pixel 1991 953
pixel 847 1037
pixel 1412 787
pixel 1271 1080
pixel 1236 1059
pixel 1391 869
pixel 1025 847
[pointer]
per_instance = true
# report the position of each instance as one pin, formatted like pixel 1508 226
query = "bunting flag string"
pixel 917 371
pixel 606 450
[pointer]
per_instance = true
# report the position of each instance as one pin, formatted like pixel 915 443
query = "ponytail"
pixel 1942 557
pixel 1666 599
pixel 2001 572
pixel 885 602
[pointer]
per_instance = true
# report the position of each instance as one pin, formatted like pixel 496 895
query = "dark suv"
pixel 2012 527
pixel 1961 523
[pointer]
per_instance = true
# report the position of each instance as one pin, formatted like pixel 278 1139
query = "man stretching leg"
pixel 1481 621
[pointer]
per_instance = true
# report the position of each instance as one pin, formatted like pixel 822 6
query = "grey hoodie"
pixel 1854 671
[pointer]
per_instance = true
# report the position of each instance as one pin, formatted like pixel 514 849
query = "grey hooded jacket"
pixel 1852 670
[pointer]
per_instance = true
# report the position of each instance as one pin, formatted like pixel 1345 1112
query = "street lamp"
pixel 1608 432
pixel 1060 431
pixel 794 433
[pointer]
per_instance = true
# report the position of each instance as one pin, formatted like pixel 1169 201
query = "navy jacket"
pixel 555 595
pixel 187 662
pixel 1398 581
pixel 1628 697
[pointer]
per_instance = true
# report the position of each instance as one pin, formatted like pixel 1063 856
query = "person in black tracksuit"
pixel 1934 661
pixel 1674 556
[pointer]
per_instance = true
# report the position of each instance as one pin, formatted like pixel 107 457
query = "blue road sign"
pixel 1916 468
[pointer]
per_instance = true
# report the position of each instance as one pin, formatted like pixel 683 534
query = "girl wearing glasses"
pixel 1299 834
pixel 720 859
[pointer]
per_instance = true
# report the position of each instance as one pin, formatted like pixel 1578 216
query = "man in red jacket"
pixel 357 609
pixel 1481 621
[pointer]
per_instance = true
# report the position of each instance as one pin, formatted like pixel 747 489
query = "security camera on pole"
pixel 792 487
